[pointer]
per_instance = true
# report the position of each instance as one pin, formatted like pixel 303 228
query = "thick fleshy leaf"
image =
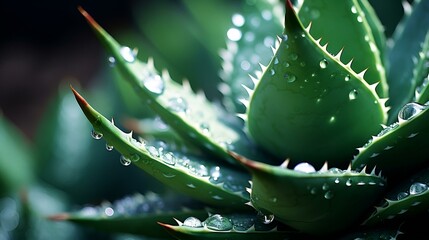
pixel 400 148
pixel 16 160
pixel 230 226
pixel 408 37
pixel 408 199
pixel 308 105
pixel 249 42
pixel 135 214
pixel 223 186
pixel 189 114
pixel 316 202
pixel 352 27
pixel 421 73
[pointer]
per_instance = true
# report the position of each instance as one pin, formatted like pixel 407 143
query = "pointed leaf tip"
pixel 59 217
pixel 89 112
pixel 89 18
pixel 250 164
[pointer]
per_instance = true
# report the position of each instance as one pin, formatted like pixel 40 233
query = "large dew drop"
pixel 305 168
pixel 323 64
pixel 218 223
pixel 128 54
pixel 154 83
pixel 417 188
pixel 353 94
pixel 193 222
pixel 267 219
pixel 410 110
pixel 96 135
pixel 124 160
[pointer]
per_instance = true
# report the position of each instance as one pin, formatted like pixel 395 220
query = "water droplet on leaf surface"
pixel 323 64
pixel 124 160
pixel 410 110
pixel 128 54
pixel 417 188
pixel 154 83
pixel 304 167
pixel 177 104
pixel 96 135
pixel 193 222
pixel 218 223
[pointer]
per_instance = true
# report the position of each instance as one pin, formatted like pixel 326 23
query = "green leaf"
pixel 16 159
pixel 249 41
pixel 421 73
pixel 408 37
pixel 352 27
pixel 400 148
pixel 135 214
pixel 189 114
pixel 407 199
pixel 308 105
pixel 229 226
pixel 315 202
pixel 185 173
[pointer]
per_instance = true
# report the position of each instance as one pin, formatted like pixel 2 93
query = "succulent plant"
pixel 328 139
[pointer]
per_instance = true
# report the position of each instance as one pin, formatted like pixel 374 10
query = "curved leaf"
pixel 308 105
pixel 186 174
pixel 136 214
pixel 400 148
pixel 189 114
pixel 408 36
pixel 421 73
pixel 319 203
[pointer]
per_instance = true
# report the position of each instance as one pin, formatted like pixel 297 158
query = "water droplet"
pixel 302 64
pixel 215 174
pixel 325 186
pixel 134 157
pixel 169 158
pixel 337 180
pixel 353 9
pixel 323 64
pixel 109 211
pixel 284 37
pixel 217 197
pixel 313 190
pixel 349 182
pixel 191 185
pixel 112 61
pixel 128 54
pixel 401 195
pixel 304 167
pixel 272 72
pixel 177 104
pixel 154 83
pixel 353 94
pixel 124 160
pixel 193 222
pixel 329 195
pixel 314 13
pixel 234 34
pixel 109 147
pixel 238 20
pixel 332 119
pixel 290 78
pixel 267 219
pixel 276 61
pixel 268 41
pixel 245 65
pixel 218 223
pixel 153 151
pixel 347 78
pixel 293 56
pixel 359 19
pixel 410 110
pixel 417 188
pixel 286 64
pixel 96 135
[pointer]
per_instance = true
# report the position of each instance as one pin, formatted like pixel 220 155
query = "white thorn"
pixel 338 56
pixel 273 49
pixel 362 74
pixel 249 190
pixel 248 90
pixel 263 68
pixel 242 116
pixel 113 122
pixel 349 64
pixel 251 183
pixel 363 169
pixel 324 167
pixel 245 102
pixel 307 29
pixel 277 43
pixel 374 86
pixel 373 171
pixel 318 41
pixel 258 74
pixel 285 163
pixel 249 204
pixel 165 74
pixel 383 101
pixel 150 63
pixel 324 47
pixel 254 80
pixel 178 222
pixel 186 85
pixel 349 168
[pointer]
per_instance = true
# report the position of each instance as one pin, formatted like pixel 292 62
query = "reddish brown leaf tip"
pixel 165 225
pixel 59 217
pixel 88 18
pixel 82 102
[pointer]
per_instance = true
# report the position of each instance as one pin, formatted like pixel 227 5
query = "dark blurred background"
pixel 46 42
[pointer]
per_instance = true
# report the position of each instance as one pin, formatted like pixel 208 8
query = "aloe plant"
pixel 327 138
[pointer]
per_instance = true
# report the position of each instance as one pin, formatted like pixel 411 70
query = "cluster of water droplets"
pixel 415 189
pixel 218 222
